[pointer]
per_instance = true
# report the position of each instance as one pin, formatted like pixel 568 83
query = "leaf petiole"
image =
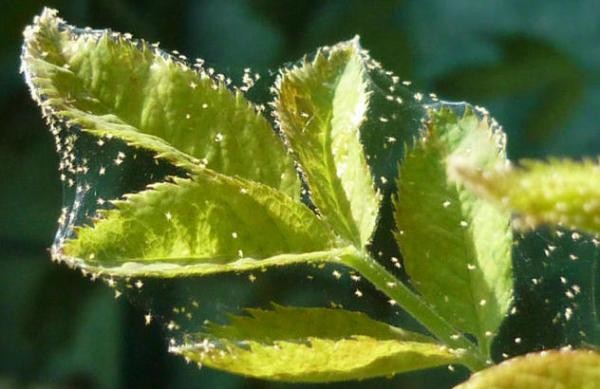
pixel 387 283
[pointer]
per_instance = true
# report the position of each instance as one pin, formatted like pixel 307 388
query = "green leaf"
pixel 561 192
pixel 573 369
pixel 321 106
pixel 312 345
pixel 110 85
pixel 456 247
pixel 208 224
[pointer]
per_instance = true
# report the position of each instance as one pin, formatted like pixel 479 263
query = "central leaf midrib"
pixel 469 249
pixel 334 182
pixel 469 252
pixel 200 262
pixel 336 186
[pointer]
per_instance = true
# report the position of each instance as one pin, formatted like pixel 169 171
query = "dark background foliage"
pixel 533 64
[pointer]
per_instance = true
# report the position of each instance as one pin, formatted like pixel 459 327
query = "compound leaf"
pixel 456 247
pixel 561 192
pixel 207 224
pixel 108 84
pixel 574 369
pixel 312 345
pixel 321 106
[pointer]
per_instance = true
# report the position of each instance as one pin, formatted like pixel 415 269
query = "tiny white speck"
pixel 568 313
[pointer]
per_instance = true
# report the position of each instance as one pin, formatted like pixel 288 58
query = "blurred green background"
pixel 535 65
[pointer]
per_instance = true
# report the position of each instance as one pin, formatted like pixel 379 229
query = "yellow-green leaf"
pixel 321 106
pixel 568 369
pixel 108 84
pixel 563 192
pixel 312 345
pixel 207 224
pixel 456 247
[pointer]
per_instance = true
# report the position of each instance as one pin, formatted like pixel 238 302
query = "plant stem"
pixel 419 309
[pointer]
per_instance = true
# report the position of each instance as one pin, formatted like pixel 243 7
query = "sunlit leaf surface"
pixel 208 224
pixel 313 345
pixel 569 369
pixel 456 247
pixel 321 106
pixel 112 86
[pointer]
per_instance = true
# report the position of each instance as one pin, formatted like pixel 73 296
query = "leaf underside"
pixel 211 223
pixel 321 106
pixel 578 369
pixel 107 84
pixel 562 192
pixel 456 248
pixel 313 345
